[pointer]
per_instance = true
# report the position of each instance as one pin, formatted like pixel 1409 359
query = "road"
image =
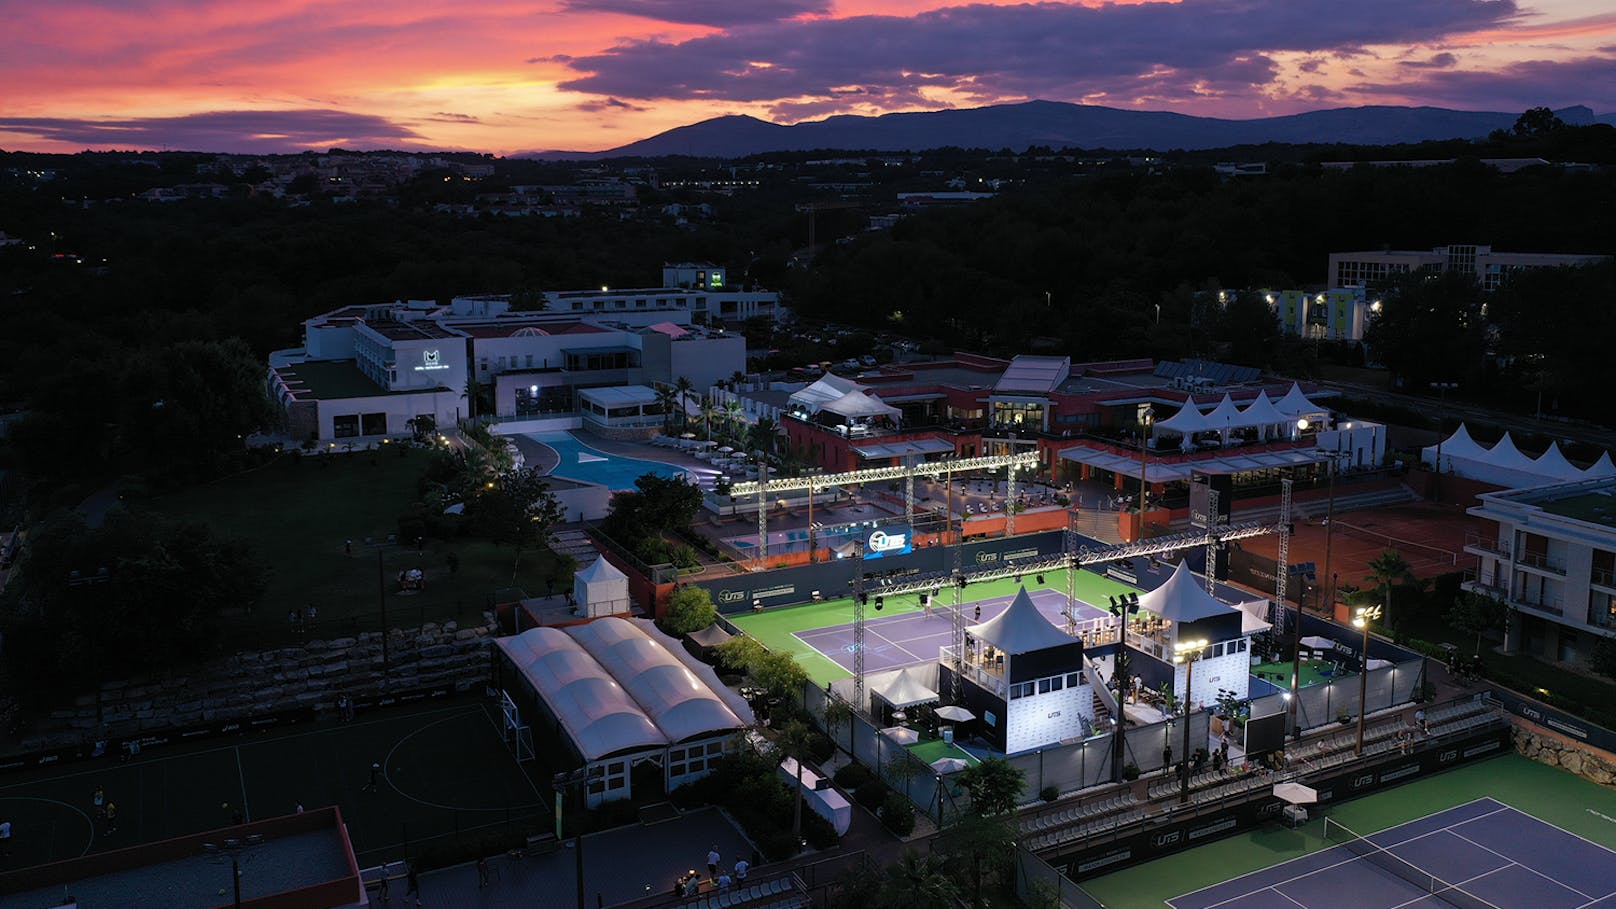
pixel 1456 411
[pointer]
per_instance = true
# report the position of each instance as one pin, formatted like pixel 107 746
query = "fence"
pixel 1042 887
pixel 1320 704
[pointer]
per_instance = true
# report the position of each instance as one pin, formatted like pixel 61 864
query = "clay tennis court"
pixel 1429 535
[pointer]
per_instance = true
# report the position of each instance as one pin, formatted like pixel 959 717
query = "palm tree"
pixel 762 435
pixel 708 410
pixel 684 386
pixel 735 413
pixel 918 880
pixel 667 400
pixel 794 738
pixel 1387 569
pixel 473 389
pixel 839 713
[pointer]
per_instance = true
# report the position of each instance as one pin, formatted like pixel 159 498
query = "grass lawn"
pixel 297 515
pixel 775 628
pixel 937 749
pixel 1280 673
pixel 1553 795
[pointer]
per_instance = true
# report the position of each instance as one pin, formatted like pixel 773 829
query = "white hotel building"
pixel 367 371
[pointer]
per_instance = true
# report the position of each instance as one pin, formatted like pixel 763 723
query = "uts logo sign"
pixel 888 542
pixel 431 361
pixel 1359 782
pixel 1167 839
pixel 982 558
pixel 731 596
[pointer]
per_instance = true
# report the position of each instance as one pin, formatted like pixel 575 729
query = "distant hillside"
pixel 1058 125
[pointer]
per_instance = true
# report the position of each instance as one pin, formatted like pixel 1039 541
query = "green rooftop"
pixel 1593 507
pixel 330 380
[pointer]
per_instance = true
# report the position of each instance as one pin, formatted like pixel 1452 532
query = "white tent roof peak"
pixel 1183 598
pixel 859 404
pixel 906 690
pixel 1188 419
pixel 1224 415
pixel 1296 404
pixel 1020 629
pixel 600 570
pixel 1552 463
pixel 827 389
pixel 1601 468
pixel 1506 455
pixel 1262 412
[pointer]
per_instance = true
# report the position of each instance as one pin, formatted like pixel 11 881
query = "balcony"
pixel 1603 577
pixel 1539 561
pixel 1476 544
pixel 986 672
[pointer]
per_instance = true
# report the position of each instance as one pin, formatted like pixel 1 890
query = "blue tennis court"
pixel 915 637
pixel 1479 855
pixel 587 465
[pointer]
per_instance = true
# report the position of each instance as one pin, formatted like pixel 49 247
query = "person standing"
pixel 712 863
pixel 412 885
pixel 111 819
pixel 482 871
pixel 375 775
pixel 5 837
pixel 99 800
pixel 741 867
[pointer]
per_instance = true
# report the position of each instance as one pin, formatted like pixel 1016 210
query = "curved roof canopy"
pixel 616 686
pixel 1020 629
pixel 1183 599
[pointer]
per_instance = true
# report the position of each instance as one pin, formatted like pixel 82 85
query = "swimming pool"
pixel 587 465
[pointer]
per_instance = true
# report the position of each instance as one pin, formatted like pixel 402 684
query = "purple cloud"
pixel 247 132
pixel 1513 86
pixel 722 13
pixel 1439 61
pixel 595 106
pixel 993 53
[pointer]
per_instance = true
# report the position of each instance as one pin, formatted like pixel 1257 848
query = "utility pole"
pixel 381 602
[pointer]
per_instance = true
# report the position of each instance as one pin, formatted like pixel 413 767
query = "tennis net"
pixel 1419 552
pixel 1335 832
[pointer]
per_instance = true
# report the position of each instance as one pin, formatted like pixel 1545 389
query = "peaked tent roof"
pixel 1296 404
pixel 1188 419
pixel 1225 415
pixel 1020 629
pixel 1457 447
pixel 1552 463
pixel 600 570
pixel 1506 455
pixel 1602 468
pixel 859 404
pixel 827 389
pixel 1262 412
pixel 907 691
pixel 711 636
pixel 1183 599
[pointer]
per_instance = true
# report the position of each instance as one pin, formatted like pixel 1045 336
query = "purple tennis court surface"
pixel 915 637
pixel 1493 854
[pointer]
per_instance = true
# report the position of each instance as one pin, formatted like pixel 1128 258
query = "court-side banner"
pixel 885 542
pixel 1559 721
pixel 1149 842
pixel 784 586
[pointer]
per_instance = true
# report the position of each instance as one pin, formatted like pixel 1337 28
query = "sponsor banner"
pixel 1558 720
pixel 1145 845
pixel 883 542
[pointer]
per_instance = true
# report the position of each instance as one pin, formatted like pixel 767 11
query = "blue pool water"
pixel 586 465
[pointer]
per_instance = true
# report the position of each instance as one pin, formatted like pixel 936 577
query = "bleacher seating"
pixel 779 893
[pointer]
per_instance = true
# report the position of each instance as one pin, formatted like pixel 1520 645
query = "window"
pixel 1073 680
pixel 346 426
pixel 1045 686
pixel 1021 690
pixel 373 424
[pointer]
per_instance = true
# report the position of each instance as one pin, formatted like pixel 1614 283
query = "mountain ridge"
pixel 1060 124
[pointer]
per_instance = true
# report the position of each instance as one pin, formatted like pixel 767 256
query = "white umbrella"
pixel 955 714
pixel 950 764
pixel 901 735
pixel 687 435
pixel 1318 643
pixel 456 508
pixel 1296 793
pixel 727 449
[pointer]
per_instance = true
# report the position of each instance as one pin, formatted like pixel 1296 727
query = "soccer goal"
pixel 518 736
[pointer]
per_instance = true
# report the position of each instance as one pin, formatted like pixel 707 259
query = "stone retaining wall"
pixel 1558 751
pixel 312 675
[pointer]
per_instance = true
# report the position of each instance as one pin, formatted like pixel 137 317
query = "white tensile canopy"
pixel 1295 404
pixel 827 389
pixel 601 589
pixel 1188 419
pixel 1262 412
pixel 1295 793
pixel 1224 417
pixel 1602 468
pixel 1551 463
pixel 906 690
pixel 1457 447
pixel 1020 629
pixel 858 404
pixel 1182 598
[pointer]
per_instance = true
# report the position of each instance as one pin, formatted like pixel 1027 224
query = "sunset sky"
pixel 508 76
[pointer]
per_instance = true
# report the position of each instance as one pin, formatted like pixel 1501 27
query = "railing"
pixel 1550 606
pixel 1541 562
pixel 1473 582
pixel 1487 544
pixel 978 671
pixel 1604 577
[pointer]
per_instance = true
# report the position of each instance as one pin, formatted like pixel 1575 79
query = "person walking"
pixel 482 871
pixel 412 886
pixel 375 775
pixel 111 819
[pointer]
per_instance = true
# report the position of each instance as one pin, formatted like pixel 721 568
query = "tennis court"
pixel 1480 855
pixel 445 774
pixel 915 637
pixel 803 630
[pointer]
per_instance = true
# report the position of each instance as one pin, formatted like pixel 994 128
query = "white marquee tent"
pixel 1505 465
pixel 601 589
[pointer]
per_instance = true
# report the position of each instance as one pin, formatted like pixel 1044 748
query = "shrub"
pixel 821 748
pixel 852 776
pixel 1049 793
pixel 1130 772
pixel 871 794
pixel 898 815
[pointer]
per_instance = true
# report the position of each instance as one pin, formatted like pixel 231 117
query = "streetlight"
pixel 1147 416
pixel 233 849
pixel 1185 652
pixel 1364 616
pixel 1442 389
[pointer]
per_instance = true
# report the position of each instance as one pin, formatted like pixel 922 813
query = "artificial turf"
pixel 775 628
pixel 1280 673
